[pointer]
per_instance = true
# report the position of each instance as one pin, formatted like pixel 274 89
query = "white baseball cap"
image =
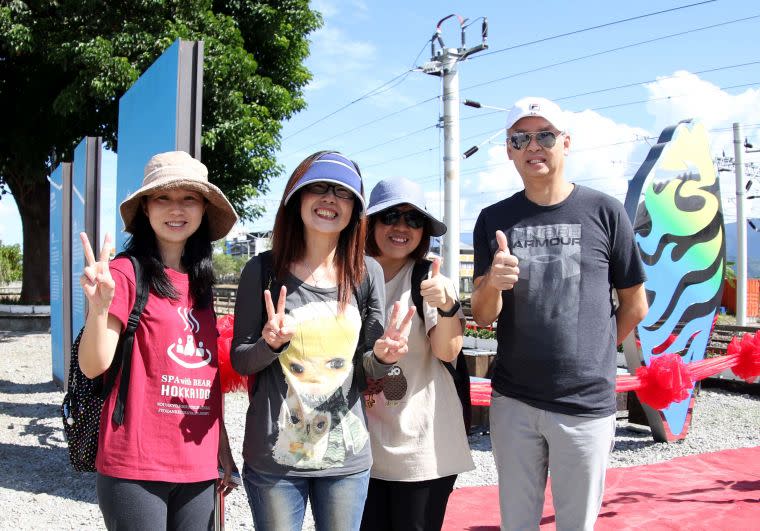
pixel 532 106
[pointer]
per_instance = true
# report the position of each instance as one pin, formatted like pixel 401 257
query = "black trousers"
pixel 406 505
pixel 139 505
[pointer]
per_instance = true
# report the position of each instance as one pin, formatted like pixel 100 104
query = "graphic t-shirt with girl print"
pixel 306 415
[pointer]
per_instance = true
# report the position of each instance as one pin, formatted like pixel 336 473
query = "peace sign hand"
pixel 437 290
pixel 392 346
pixel 96 280
pixel 280 326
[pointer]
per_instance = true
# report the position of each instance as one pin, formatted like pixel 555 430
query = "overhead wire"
pixel 401 77
pixel 409 155
pixel 384 87
pixel 590 28
pixel 354 153
pixel 517 74
pixel 611 50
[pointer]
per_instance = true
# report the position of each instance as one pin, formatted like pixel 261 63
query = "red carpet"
pixel 713 491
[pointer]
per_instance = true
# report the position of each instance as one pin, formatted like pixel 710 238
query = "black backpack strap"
pixel 267 273
pixel 267 280
pixel 360 376
pixel 125 345
pixel 420 271
pixel 267 283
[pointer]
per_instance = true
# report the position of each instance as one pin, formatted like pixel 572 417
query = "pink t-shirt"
pixel 171 422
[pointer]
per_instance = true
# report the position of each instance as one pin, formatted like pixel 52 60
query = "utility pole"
pixel 443 63
pixel 741 230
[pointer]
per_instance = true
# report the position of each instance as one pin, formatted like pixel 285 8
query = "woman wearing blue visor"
pixel 309 323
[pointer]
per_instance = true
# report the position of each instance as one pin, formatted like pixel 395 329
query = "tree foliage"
pixel 10 263
pixel 64 64
pixel 227 268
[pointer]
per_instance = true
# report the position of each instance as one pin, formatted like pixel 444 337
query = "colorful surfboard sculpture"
pixel 674 204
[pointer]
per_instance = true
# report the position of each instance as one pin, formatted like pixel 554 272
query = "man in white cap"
pixel 546 262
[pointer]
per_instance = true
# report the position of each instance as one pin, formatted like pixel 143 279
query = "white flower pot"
pixel 486 344
pixel 469 342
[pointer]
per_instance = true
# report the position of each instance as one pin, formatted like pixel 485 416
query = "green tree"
pixel 10 263
pixel 227 268
pixel 65 63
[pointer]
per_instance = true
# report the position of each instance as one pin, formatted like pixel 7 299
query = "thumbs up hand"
pixel 437 290
pixel 504 271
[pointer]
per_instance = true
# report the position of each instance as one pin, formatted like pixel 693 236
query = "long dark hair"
pixel 196 259
pixel 289 244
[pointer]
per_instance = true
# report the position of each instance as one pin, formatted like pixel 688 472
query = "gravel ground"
pixel 39 490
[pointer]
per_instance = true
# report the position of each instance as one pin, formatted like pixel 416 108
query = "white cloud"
pixel 357 9
pixel 684 95
pixel 717 110
pixel 601 156
pixel 10 229
pixel 336 58
pixel 605 154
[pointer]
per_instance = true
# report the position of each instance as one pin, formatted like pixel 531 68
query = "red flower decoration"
pixel 747 352
pixel 231 380
pixel 665 381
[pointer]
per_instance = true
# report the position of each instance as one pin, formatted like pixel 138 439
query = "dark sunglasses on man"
pixel 413 218
pixel 545 139
pixel 322 188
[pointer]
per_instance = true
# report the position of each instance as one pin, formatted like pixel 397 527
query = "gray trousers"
pixel 527 443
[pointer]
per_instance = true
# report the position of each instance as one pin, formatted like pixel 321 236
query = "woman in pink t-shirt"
pixel 158 469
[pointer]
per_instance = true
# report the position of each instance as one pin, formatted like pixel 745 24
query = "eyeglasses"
pixel 413 218
pixel 545 139
pixel 322 188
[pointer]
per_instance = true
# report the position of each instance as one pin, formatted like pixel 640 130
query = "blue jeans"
pixel 278 503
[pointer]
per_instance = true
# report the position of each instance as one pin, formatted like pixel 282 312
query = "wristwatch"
pixel 452 312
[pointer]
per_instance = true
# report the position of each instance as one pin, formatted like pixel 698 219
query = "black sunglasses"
pixel 545 139
pixel 322 188
pixel 413 218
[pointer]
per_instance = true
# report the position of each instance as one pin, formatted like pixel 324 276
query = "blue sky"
pixel 365 44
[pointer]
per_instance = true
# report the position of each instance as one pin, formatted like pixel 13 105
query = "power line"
pixel 361 126
pixel 545 67
pixel 471 171
pixel 556 99
pixel 374 92
pixel 347 105
pixel 590 28
pixel 394 159
pixel 353 154
pixel 610 50
pixel 637 102
pixel 628 85
pixel 637 139
pixel 395 81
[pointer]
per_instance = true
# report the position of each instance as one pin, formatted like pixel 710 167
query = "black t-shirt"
pixel 556 331
pixel 305 417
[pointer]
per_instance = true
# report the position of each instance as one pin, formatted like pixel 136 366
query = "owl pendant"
pixel 393 386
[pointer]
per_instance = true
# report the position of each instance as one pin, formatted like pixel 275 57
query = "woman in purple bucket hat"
pixel 419 442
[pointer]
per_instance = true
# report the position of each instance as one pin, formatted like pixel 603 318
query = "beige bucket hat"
pixel 177 169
